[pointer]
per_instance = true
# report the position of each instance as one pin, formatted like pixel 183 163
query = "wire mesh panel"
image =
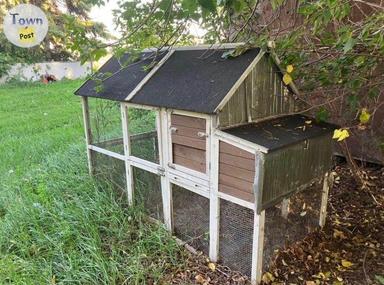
pixel 111 170
pixel 105 123
pixel 303 218
pixel 143 134
pixel 147 193
pixel 236 236
pixel 191 218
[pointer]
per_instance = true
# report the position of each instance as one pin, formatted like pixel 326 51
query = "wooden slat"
pixel 188 132
pixel 195 143
pixel 243 163
pixel 242 185
pixel 187 121
pixel 237 172
pixel 189 152
pixel 232 150
pixel 195 165
pixel 236 193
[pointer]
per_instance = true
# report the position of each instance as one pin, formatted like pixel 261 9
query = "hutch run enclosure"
pixel 205 145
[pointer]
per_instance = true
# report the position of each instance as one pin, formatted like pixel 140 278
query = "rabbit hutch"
pixel 204 143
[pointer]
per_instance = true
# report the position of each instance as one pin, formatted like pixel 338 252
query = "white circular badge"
pixel 25 25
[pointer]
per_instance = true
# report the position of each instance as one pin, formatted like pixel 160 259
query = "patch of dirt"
pixel 348 250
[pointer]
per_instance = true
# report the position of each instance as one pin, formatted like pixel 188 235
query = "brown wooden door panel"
pixel 188 144
pixel 236 161
pixel 243 174
pixel 236 193
pixel 237 183
pixel 191 164
pixel 232 150
pixel 187 121
pixel 189 152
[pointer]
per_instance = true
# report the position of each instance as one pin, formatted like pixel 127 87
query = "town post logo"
pixel 25 25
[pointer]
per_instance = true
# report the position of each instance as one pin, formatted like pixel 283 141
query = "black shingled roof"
pixel 277 133
pixel 193 80
pixel 122 80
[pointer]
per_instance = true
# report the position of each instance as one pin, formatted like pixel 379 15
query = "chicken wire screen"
pixel 143 134
pixel 147 193
pixel 105 124
pixel 303 218
pixel 191 218
pixel 110 169
pixel 236 236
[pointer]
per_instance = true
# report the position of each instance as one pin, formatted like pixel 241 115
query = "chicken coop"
pixel 214 147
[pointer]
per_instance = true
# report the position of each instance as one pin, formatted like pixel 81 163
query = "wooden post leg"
pixel 214 219
pixel 166 191
pixel 327 184
pixel 88 133
pixel 127 151
pixel 166 187
pixel 258 248
pixel 214 201
pixel 285 208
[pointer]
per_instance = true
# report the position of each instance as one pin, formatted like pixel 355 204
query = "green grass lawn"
pixel 57 224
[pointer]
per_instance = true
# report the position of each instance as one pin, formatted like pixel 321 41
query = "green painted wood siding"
pixel 261 95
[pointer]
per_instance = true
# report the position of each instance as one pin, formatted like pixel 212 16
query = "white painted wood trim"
pixel 184 175
pixel 257 248
pixel 191 172
pixel 239 81
pixel 166 190
pixel 149 75
pixel 214 202
pixel 127 151
pixel 190 186
pixel 236 200
pixel 208 147
pixel 285 208
pixel 189 114
pixel 139 106
pixel 146 165
pixel 106 152
pixel 240 143
pixel 327 185
pixel 87 132
pixel 258 184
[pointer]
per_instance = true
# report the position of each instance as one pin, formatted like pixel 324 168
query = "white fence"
pixel 60 70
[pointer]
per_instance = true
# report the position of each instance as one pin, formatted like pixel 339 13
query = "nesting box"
pixel 213 147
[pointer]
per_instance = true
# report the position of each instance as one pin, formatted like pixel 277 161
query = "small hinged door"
pixel 188 137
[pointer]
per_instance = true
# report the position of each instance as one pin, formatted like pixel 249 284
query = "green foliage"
pixel 62 35
pixel 58 225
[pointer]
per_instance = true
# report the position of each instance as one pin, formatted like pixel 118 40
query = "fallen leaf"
pixel 310 283
pixel 338 234
pixel 340 134
pixel 212 266
pixel 346 263
pixel 268 277
pixel 364 116
pixel 289 68
pixel 287 79
pixel 200 279
pixel 308 122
